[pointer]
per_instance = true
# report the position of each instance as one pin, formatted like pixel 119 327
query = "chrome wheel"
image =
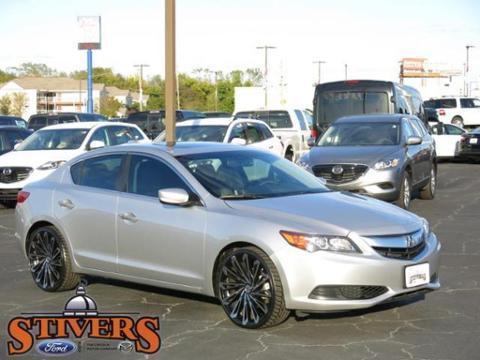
pixel 46 260
pixel 433 181
pixel 246 289
pixel 406 192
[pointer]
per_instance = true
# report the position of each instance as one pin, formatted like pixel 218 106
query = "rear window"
pixel 470 103
pixel 440 103
pixel 275 119
pixel 7 121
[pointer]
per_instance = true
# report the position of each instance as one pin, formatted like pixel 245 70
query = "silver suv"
pixel 384 156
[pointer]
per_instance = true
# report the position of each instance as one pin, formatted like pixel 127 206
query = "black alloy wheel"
pixel 250 289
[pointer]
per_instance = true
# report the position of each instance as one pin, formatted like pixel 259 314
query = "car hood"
pixel 332 213
pixel 349 154
pixel 35 158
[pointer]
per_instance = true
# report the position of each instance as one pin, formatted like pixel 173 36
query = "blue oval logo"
pixel 56 347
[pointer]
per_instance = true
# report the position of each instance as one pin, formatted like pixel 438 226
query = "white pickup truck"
pixel 460 111
pixel 291 126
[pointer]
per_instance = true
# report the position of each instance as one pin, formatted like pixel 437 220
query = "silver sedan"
pixel 254 230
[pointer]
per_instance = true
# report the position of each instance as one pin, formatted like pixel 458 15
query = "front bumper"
pixel 302 272
pixel 380 184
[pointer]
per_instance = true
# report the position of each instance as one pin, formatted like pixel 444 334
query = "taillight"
pixel 441 112
pixel 464 138
pixel 22 196
pixel 352 82
pixel 314 133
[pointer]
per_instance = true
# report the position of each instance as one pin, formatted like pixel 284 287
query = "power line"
pixel 140 82
pixel 266 48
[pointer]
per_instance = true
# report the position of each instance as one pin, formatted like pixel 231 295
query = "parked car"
pixel 357 97
pixel 38 121
pixel 384 156
pixel 469 145
pixel 6 120
pixel 447 138
pixel 45 150
pixel 460 111
pixel 216 114
pixel 290 126
pixel 252 133
pixel 11 136
pixel 242 225
pixel 152 122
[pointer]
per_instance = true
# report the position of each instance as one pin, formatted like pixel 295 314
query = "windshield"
pixel 65 139
pixel 361 134
pixel 250 175
pixel 201 133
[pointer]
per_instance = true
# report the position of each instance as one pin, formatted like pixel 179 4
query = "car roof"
pixel 377 118
pixel 83 125
pixel 206 122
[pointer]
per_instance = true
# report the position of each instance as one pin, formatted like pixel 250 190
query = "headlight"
pixel 386 164
pixel 312 243
pixel 50 165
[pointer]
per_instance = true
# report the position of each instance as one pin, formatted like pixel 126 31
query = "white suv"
pixel 291 126
pixel 460 111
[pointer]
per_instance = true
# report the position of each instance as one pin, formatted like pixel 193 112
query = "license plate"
pixel 417 275
pixel 473 141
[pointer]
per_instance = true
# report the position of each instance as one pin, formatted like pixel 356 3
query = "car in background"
pixel 244 226
pixel 289 125
pixel 217 114
pixel 48 148
pixel 10 136
pixel 152 122
pixel 7 120
pixel 431 115
pixel 39 121
pixel 460 111
pixel 447 138
pixel 337 99
pixel 252 133
pixel 469 146
pixel 384 156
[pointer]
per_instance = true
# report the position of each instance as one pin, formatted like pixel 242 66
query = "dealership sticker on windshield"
pixel 417 275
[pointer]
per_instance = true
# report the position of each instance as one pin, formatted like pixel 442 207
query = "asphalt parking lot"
pixel 444 325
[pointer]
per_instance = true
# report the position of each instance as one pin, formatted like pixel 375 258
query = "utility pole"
pixel 346 72
pixel 467 70
pixel 170 73
pixel 266 48
pixel 140 82
pixel 319 62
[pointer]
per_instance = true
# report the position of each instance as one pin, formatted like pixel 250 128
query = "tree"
pixel 19 103
pixel 109 106
pixel 35 70
pixel 5 104
pixel 6 76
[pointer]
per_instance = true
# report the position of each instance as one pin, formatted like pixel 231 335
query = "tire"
pixel 49 260
pixel 239 274
pixel 457 120
pixel 405 196
pixel 428 192
pixel 289 155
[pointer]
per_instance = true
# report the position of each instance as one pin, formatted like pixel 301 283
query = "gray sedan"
pixel 242 225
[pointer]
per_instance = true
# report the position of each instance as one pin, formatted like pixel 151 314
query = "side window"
pixel 67 119
pixel 15 137
pixel 38 122
pixel 100 135
pixel 122 134
pixel 407 130
pixel 52 120
pixel 267 134
pixel 453 130
pixel 418 126
pixel 148 175
pixel 101 172
pixel 238 131
pixel 415 129
pixel 254 134
pixel 301 120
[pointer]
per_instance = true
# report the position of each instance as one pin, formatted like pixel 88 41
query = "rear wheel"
pixel 457 120
pixel 249 288
pixel 49 260
pixel 428 192
pixel 405 192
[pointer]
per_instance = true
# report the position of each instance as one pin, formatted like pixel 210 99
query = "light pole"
pixel 140 82
pixel 170 73
pixel 346 71
pixel 266 48
pixel 319 62
pixel 467 70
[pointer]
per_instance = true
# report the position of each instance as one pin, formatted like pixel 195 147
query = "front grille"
pixel 401 253
pixel 350 172
pixel 13 174
pixel 347 292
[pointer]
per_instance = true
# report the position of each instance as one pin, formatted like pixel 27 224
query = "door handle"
pixel 66 203
pixel 128 216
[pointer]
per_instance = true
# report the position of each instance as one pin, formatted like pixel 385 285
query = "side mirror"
pixel 96 144
pixel 238 141
pixel 311 142
pixel 177 196
pixel 414 140
pixel 17 144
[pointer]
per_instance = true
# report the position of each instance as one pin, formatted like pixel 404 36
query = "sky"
pixel 370 36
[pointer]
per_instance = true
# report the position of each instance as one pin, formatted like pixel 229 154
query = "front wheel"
pixel 428 192
pixel 405 195
pixel 249 288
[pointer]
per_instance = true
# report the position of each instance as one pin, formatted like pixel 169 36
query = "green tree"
pixel 19 103
pixel 5 105
pixel 109 106
pixel 35 70
pixel 6 76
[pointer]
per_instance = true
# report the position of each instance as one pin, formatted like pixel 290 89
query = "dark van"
pixel 356 97
pixel 39 121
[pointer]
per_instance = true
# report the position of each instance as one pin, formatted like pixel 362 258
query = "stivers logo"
pixel 55 333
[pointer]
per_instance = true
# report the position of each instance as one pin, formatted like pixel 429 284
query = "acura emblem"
pixel 337 170
pixel 7 171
